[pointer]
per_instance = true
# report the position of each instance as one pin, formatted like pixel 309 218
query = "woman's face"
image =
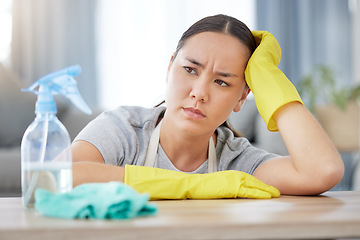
pixel 206 81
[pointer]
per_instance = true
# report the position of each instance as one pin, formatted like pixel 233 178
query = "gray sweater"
pixel 122 136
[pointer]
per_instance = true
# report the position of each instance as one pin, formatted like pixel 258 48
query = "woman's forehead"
pixel 214 45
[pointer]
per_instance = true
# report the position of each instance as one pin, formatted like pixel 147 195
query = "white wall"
pixel 138 37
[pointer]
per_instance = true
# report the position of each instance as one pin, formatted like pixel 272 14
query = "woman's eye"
pixel 221 83
pixel 190 70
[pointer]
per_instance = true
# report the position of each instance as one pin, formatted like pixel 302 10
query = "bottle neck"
pixel 45 116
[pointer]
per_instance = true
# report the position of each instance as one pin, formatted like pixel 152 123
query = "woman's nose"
pixel 200 90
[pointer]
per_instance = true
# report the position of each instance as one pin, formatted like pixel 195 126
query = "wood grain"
pixel 330 215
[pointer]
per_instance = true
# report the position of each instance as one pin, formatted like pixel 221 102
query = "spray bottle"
pixel 46 160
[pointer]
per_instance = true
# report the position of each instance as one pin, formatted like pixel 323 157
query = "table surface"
pixel 330 215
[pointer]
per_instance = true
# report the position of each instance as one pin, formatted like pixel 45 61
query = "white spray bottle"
pixel 46 160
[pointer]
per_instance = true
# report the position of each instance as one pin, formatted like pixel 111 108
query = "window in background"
pixel 136 41
pixel 5 28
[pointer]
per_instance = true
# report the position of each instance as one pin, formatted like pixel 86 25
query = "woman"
pixel 205 83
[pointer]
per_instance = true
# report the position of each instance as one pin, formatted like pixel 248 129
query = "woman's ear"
pixel 171 61
pixel 241 102
pixel 170 64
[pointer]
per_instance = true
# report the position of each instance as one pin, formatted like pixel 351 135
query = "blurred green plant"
pixel 320 86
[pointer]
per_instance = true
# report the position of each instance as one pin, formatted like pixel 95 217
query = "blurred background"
pixel 124 47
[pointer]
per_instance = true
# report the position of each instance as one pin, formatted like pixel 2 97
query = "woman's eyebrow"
pixel 195 62
pixel 223 74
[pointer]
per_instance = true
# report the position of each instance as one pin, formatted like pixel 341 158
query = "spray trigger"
pixel 59 82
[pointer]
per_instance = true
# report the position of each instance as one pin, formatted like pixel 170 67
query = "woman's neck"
pixel 186 151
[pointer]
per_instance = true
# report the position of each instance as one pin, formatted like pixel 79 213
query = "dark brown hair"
pixel 223 24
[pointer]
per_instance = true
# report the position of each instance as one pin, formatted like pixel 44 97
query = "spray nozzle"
pixel 59 82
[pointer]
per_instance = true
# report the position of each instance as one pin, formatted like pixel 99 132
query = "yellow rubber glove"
pixel 167 184
pixel 271 88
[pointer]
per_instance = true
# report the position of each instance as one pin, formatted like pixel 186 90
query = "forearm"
pixel 88 172
pixel 312 153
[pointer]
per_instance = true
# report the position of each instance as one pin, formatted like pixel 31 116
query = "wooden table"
pixel 330 215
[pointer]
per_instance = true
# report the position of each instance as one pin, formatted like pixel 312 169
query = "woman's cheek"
pixel 178 81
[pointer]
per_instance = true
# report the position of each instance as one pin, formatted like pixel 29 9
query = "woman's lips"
pixel 193 113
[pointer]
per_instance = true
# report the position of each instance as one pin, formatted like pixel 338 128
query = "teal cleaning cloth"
pixel 113 200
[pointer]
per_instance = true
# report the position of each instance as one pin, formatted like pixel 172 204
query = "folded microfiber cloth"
pixel 113 200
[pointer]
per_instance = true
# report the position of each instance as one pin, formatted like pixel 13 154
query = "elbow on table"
pixel 329 176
